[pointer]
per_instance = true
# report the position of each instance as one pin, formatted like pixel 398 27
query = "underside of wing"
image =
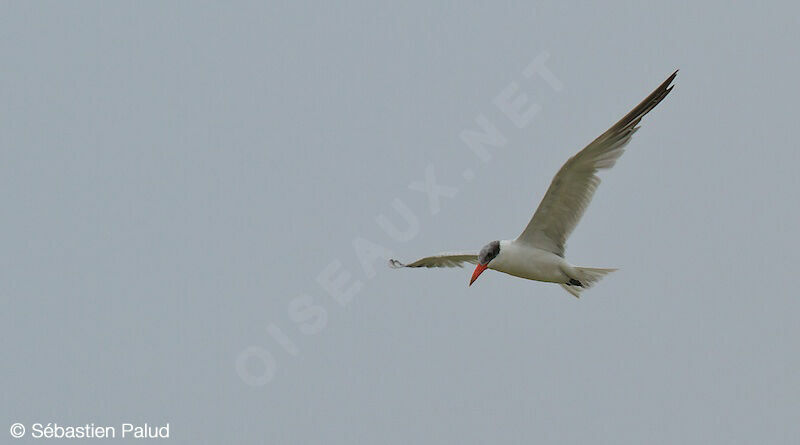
pixel 575 183
pixel 441 260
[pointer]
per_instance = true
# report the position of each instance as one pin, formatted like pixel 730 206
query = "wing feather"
pixel 575 183
pixel 440 260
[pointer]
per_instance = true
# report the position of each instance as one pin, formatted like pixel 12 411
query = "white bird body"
pixel 524 261
pixel 538 252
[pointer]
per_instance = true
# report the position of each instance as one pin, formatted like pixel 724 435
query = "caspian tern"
pixel 538 253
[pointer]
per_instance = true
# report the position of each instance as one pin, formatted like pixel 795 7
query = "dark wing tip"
pixel 632 119
pixel 667 83
pixel 394 264
pixel 669 79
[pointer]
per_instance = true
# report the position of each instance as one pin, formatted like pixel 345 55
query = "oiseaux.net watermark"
pixel 256 365
pixel 53 430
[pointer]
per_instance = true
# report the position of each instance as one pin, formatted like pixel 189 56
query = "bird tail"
pixel 584 278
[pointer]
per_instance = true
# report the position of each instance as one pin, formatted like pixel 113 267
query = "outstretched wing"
pixel 441 260
pixel 573 186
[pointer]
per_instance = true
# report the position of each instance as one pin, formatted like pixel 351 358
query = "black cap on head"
pixel 488 252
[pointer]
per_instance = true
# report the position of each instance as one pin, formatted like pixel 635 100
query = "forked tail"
pixel 584 278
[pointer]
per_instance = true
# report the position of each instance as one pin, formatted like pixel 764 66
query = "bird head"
pixel 486 255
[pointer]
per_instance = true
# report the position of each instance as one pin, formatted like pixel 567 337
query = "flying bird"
pixel 538 253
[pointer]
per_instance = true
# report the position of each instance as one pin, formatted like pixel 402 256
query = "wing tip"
pixel 669 81
pixel 394 264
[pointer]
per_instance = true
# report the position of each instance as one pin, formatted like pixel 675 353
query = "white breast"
pixel 525 261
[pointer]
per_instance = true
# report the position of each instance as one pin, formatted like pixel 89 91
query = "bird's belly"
pixel 531 263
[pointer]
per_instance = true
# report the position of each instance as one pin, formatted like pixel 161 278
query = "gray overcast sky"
pixel 176 176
